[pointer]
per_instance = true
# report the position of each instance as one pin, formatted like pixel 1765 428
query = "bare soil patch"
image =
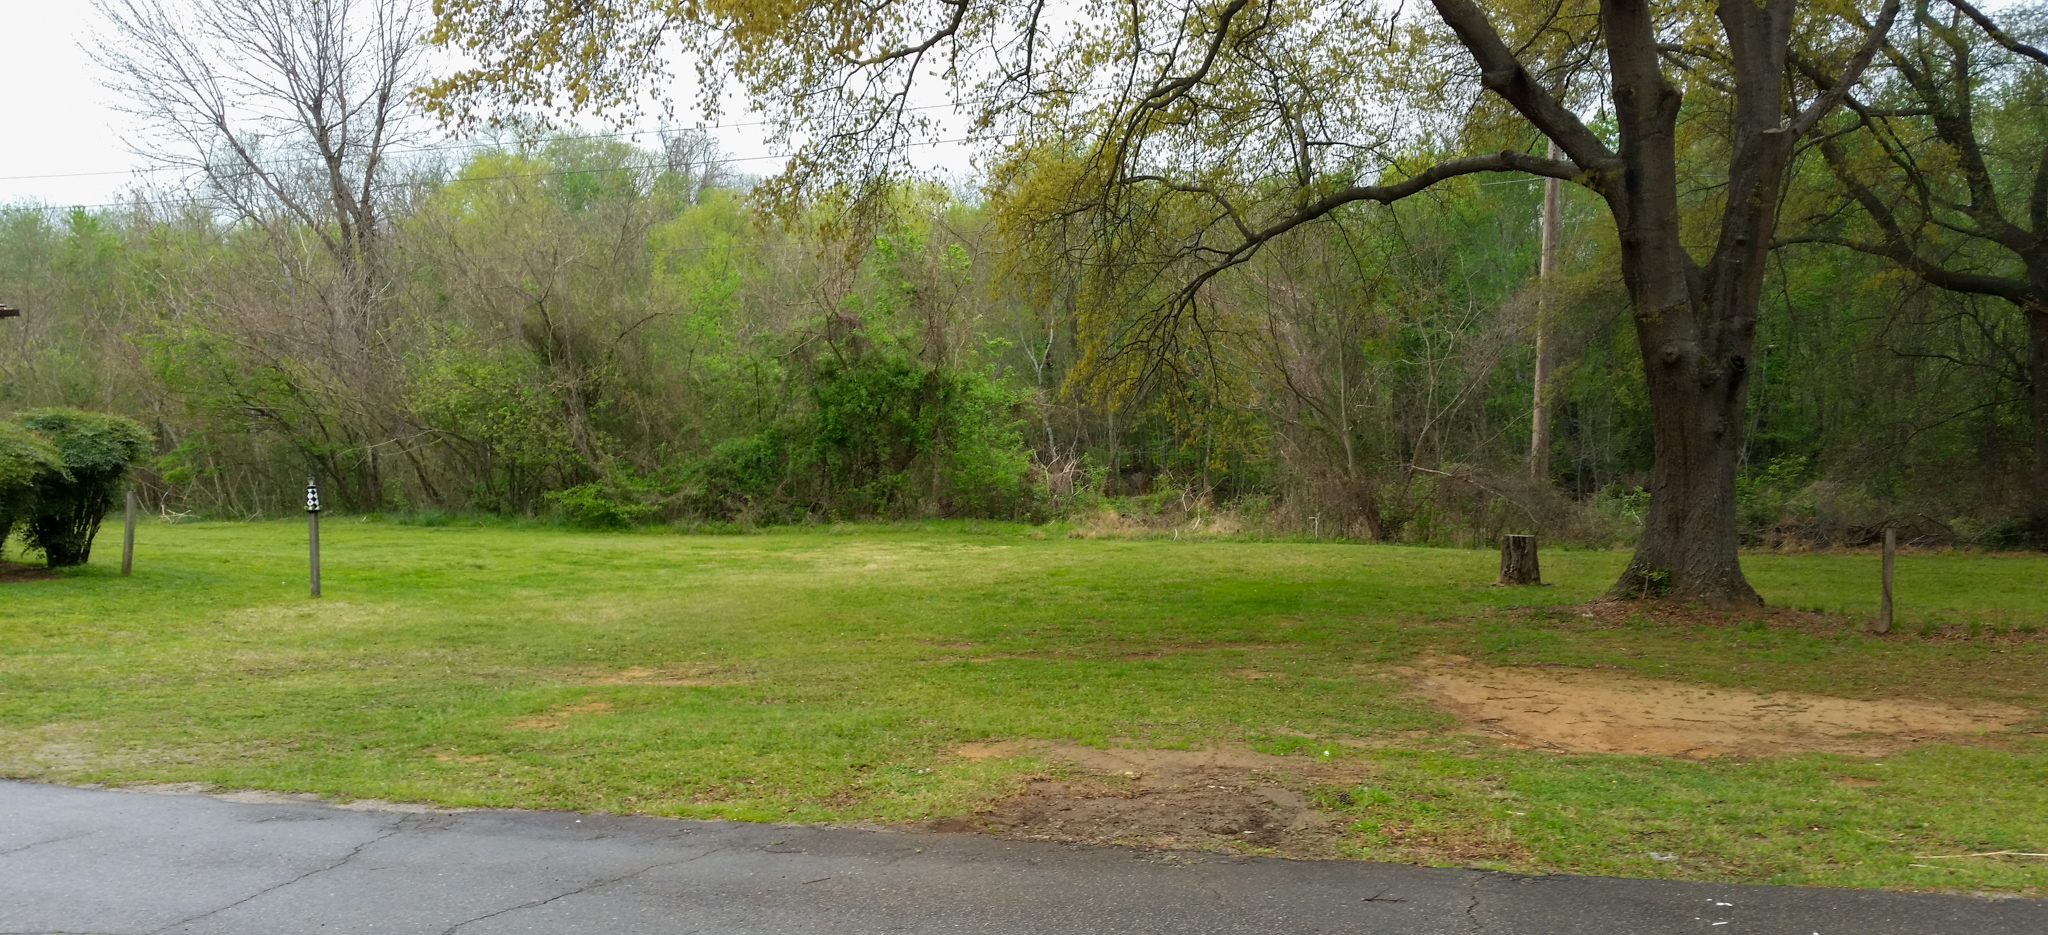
pixel 1231 798
pixel 15 571
pixel 1585 711
pixel 1606 614
pixel 560 716
pixel 669 676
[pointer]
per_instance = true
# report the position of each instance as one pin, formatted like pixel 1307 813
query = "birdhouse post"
pixel 313 530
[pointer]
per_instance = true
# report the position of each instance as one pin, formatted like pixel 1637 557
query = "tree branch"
pixel 1830 97
pixel 2011 290
pixel 1998 35
pixel 952 29
pixel 1505 75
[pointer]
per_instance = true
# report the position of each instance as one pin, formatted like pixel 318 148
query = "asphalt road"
pixel 127 863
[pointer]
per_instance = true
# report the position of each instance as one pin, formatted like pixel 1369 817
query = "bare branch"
pixel 1851 73
pixel 1998 35
pixel 950 30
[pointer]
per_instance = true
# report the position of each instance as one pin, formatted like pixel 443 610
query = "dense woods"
pixel 608 332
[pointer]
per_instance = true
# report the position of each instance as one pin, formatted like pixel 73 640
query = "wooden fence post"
pixel 1518 561
pixel 1884 599
pixel 128 536
pixel 313 548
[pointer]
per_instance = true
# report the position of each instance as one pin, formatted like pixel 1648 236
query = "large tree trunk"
pixel 1688 547
pixel 1694 324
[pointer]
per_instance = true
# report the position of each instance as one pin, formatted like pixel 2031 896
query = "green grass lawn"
pixel 827 675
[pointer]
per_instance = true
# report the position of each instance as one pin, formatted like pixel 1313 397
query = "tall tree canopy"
pixel 1183 140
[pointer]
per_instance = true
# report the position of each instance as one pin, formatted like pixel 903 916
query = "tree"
pixel 693 158
pixel 70 500
pixel 1233 123
pixel 288 115
pixel 1942 170
pixel 275 104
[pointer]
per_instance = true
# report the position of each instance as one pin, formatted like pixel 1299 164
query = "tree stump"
pixel 1518 561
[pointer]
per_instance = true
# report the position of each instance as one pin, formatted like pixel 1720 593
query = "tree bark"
pixel 1688 546
pixel 1518 561
pixel 1695 324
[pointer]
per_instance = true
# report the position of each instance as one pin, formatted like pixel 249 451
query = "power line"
pixel 171 202
pixel 440 147
pixel 437 147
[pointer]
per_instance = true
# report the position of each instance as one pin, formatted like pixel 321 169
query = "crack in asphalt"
pixel 1472 908
pixel 289 816
pixel 897 858
pixel 396 828
pixel 535 904
pixel 68 837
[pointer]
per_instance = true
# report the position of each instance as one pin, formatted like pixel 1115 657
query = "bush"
pixel 69 503
pixel 883 434
pixel 618 501
pixel 741 478
pixel 25 458
pixel 888 432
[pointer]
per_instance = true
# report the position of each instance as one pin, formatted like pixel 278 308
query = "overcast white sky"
pixel 62 142
pixel 54 118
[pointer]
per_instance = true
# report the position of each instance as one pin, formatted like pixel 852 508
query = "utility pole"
pixel 1546 269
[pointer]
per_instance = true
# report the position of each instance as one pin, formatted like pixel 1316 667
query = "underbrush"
pixel 1779 509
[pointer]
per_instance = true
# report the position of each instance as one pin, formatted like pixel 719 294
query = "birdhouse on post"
pixel 313 531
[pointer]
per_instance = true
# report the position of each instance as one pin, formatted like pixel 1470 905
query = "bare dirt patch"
pixel 271 797
pixel 15 571
pixel 1584 711
pixel 1152 651
pixel 1615 614
pixel 683 677
pixel 559 716
pixel 1621 613
pixel 1231 798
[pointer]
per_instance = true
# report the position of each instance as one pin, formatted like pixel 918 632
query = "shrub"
pixel 96 450
pixel 25 459
pixel 889 431
pixel 740 478
pixel 617 501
